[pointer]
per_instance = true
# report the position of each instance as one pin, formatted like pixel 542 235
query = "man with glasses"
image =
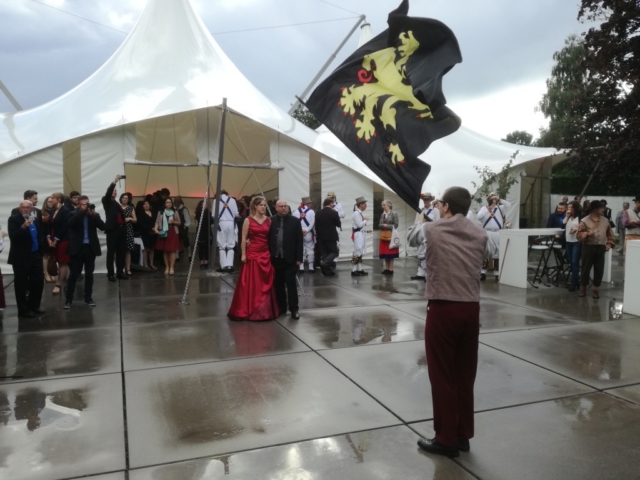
pixel 83 248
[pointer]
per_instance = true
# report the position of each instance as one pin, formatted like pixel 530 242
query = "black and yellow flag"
pixel 385 102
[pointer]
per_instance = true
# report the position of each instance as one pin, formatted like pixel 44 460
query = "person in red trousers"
pixel 453 318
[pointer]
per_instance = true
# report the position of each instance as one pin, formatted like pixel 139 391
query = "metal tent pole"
pixel 216 218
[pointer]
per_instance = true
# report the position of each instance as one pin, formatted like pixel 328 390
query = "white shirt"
pixel 187 217
pixel 307 218
pixel 338 208
pixel 230 212
pixel 571 223
pixel 499 218
pixel 358 221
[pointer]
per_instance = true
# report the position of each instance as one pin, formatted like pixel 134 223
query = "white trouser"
pixel 495 236
pixel 226 242
pixel 359 248
pixel 422 260
pixel 308 252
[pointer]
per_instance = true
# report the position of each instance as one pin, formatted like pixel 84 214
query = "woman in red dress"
pixel 168 236
pixel 255 296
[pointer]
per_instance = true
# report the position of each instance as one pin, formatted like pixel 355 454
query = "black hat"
pixel 637 199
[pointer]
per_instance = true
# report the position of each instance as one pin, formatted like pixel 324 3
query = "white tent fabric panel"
pixel 347 186
pixel 102 159
pixel 168 139
pixel 42 172
pixel 293 182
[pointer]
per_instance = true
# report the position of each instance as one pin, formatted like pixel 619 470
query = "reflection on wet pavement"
pixel 55 428
pixel 375 454
pixel 334 395
pixel 588 436
pixel 197 410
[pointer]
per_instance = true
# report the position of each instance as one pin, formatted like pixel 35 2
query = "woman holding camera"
pixel 168 242
pixel 597 239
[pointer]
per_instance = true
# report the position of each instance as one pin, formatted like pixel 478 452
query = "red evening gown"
pixel 255 295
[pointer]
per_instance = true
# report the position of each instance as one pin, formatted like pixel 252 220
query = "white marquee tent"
pixel 155 104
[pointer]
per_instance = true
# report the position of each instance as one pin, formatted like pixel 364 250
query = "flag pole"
pixel 326 65
pixel 216 219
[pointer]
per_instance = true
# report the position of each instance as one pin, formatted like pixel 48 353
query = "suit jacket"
pixel 111 209
pixel 76 232
pixel 21 242
pixel 327 223
pixel 43 231
pixel 291 238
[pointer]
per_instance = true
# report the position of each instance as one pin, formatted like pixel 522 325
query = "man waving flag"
pixel 385 102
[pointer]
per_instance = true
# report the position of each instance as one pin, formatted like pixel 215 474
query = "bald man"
pixel 25 256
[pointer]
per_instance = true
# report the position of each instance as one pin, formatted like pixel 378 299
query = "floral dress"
pixel 127 212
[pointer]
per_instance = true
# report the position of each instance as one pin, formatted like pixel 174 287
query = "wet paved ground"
pixel 141 388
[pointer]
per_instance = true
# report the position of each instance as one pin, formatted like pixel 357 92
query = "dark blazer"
pixel 21 242
pixel 76 231
pixel 43 231
pixel 327 223
pixel 111 209
pixel 60 224
pixel 291 239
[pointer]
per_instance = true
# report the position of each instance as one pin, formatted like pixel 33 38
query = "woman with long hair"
pixel 597 237
pixel 147 223
pixel 574 247
pixel 129 215
pixel 388 221
pixel 47 212
pixel 58 238
pixel 168 242
pixel 255 296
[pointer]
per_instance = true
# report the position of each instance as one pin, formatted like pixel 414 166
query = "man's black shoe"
pixel 295 315
pixel 111 278
pixel 26 315
pixel 39 311
pixel 418 277
pixel 90 302
pixel 221 270
pixel 355 274
pixel 122 277
pixel 572 288
pixel 431 445
pixel 483 276
pixel 463 444
pixel 67 305
pixel 363 273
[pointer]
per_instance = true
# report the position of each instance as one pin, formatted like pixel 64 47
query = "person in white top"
pixel 359 236
pixel 430 214
pixel 307 219
pixel 493 218
pixel 574 248
pixel 227 230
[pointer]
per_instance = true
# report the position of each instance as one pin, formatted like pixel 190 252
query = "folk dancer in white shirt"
pixel 493 218
pixel 430 214
pixel 227 230
pixel 307 219
pixel 359 236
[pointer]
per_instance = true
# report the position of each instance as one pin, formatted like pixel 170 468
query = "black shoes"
pixel 463 444
pixel 122 276
pixel 295 315
pixel 387 272
pixel 419 277
pixel 67 305
pixel 327 272
pixel 90 302
pixel 39 311
pixel 483 277
pixel 111 278
pixel 431 445
pixel 355 274
pixel 26 315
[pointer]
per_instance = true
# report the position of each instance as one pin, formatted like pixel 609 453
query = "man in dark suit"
pixel 25 256
pixel 285 245
pixel 83 249
pixel 42 216
pixel 114 226
pixel 327 227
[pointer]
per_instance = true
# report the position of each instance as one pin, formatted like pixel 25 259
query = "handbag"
pixel 385 235
pixel 52 265
pixel 395 238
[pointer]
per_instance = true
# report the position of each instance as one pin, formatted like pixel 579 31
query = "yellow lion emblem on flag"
pixel 383 75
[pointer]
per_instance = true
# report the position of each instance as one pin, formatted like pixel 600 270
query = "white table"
pixel 514 253
pixel 632 278
pixel 514 262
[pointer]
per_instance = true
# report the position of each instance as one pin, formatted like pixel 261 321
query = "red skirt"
pixel 61 252
pixel 385 252
pixel 171 243
pixel 255 295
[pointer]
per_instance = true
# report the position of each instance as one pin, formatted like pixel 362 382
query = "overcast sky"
pixel 507 47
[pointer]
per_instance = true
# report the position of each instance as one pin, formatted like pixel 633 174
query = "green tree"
pixel 566 102
pixel 303 115
pixel 500 182
pixel 519 137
